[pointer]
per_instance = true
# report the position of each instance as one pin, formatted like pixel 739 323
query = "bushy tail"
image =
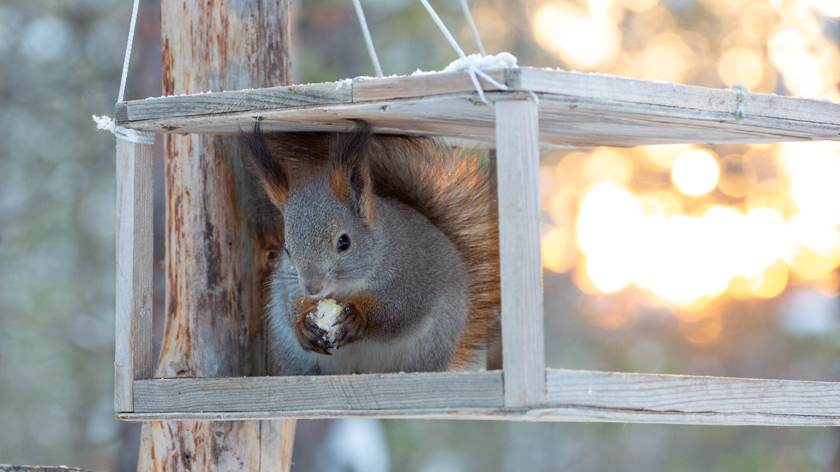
pixel 457 193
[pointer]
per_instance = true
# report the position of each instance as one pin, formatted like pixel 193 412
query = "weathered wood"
pixel 420 85
pixel 564 120
pixel 247 101
pixel 571 396
pixel 215 240
pixel 546 414
pixel 40 468
pixel 575 109
pixel 341 392
pixel 134 234
pixel 692 394
pixel 517 164
pixel 277 440
pixel 669 94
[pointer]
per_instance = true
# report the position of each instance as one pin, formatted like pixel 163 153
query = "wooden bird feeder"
pixel 541 106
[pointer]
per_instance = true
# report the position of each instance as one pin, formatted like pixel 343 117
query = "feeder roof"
pixel 577 109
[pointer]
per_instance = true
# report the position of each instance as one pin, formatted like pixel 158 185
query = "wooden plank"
pixel 133 357
pixel 669 94
pixel 420 85
pixel 582 396
pixel 346 392
pixel 398 115
pixel 30 468
pixel 247 101
pixel 692 394
pixel 564 120
pixel 517 163
pixel 277 439
pixel 586 119
pixel 547 414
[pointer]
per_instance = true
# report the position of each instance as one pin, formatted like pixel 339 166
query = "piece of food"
pixel 326 315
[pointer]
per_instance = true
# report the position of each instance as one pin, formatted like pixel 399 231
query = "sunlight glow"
pixel 576 36
pixel 827 7
pixel 745 225
pixel 783 228
pixel 695 172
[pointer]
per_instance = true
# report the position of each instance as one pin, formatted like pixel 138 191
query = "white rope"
pixel 105 122
pixel 444 30
pixel 128 50
pixel 472 27
pixel 470 64
pixel 368 41
pixel 131 135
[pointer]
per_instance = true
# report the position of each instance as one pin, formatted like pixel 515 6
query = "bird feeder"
pixel 539 107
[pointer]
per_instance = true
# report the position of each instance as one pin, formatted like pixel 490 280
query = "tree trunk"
pixel 217 244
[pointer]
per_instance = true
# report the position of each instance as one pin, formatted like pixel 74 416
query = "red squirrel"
pixel 400 231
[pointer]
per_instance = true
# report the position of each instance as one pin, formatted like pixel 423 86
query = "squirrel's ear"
pixel 350 168
pixel 272 174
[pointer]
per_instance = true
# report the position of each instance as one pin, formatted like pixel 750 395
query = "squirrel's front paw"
pixel 350 324
pixel 310 336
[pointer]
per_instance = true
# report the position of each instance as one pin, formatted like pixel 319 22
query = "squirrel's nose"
pixel 313 287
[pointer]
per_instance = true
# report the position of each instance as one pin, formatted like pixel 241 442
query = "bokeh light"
pixel 828 7
pixel 740 66
pixel 618 226
pixel 695 172
pixel 582 39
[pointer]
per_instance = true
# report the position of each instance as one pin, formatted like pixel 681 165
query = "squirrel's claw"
pixel 311 337
pixel 351 323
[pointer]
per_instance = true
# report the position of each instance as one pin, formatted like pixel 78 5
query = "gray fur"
pixel 397 255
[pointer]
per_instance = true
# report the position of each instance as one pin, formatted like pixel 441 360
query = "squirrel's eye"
pixel 343 243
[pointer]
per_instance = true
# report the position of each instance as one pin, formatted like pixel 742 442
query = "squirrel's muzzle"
pixel 312 287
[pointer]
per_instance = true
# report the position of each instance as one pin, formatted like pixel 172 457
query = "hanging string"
pixel 443 29
pixel 128 50
pixel 471 64
pixel 105 122
pixel 470 22
pixel 368 41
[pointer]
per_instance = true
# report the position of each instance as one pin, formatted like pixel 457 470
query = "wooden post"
pixel 133 359
pixel 216 243
pixel 518 161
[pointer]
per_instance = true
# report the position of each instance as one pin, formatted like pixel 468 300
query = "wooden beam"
pixel 692 394
pixel 518 162
pixel 339 392
pixel 669 94
pixel 564 119
pixel 682 399
pixel 420 85
pixel 29 468
pixel 239 101
pixel 583 396
pixel 133 339
pixel 216 237
pixel 277 440
pixel 605 108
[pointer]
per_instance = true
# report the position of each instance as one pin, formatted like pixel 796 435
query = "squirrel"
pixel 402 232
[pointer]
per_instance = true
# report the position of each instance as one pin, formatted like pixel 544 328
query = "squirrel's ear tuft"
pixel 272 174
pixel 350 168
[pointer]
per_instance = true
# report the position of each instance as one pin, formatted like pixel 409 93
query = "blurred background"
pixel 707 260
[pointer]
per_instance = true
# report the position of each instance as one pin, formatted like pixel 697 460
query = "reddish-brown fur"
pixel 458 195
